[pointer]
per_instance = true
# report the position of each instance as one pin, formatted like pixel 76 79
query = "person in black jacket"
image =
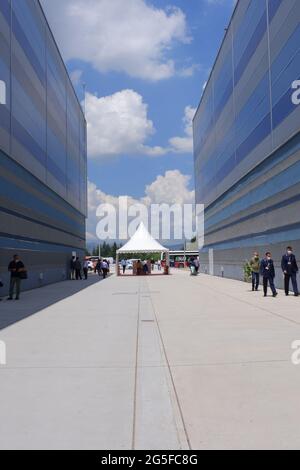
pixel 78 269
pixel 290 268
pixel 15 267
pixel 72 268
pixel 267 271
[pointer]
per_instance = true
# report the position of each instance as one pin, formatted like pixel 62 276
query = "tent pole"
pixel 117 265
pixel 168 261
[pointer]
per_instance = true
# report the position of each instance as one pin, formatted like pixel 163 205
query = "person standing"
pixel 16 268
pixel 123 264
pixel 72 268
pixel 85 268
pixel 255 269
pixel 268 272
pixel 192 266
pixel 98 267
pixel 197 264
pixel 290 269
pixel 1 285
pixel 139 268
pixel 105 268
pixel 78 269
pixel 145 267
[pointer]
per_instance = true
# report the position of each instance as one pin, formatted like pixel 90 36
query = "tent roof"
pixel 143 242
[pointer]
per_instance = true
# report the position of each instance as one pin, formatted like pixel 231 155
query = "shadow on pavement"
pixel 33 301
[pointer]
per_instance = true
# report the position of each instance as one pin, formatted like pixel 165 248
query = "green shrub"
pixel 247 272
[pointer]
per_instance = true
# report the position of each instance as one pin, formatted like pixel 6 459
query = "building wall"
pixel 42 148
pixel 246 137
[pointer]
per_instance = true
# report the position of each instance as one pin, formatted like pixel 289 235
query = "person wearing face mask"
pixel 255 268
pixel 290 269
pixel 268 273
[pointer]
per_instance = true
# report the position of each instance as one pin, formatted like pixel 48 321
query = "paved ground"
pixel 155 363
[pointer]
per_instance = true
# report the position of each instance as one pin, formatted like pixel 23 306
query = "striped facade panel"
pixel 252 199
pixel 42 122
pixel 43 160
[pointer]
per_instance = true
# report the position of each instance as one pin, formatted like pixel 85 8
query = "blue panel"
pixel 217 164
pixel 255 138
pixel 28 244
pixel 30 201
pixel 251 47
pixel 5 9
pixel 5 119
pixel 283 109
pixel 280 182
pixel 265 239
pixel 42 119
pixel 273 7
pixel 25 139
pixel 28 50
pixel 286 55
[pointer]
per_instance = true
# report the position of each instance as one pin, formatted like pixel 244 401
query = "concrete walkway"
pixel 171 362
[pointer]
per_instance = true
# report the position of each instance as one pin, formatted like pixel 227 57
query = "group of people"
pixel 76 267
pixel 266 269
pixel 142 267
pixel 102 267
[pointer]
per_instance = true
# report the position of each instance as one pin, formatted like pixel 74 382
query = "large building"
pixel 42 149
pixel 247 139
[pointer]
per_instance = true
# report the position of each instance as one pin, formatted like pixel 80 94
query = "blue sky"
pixel 144 64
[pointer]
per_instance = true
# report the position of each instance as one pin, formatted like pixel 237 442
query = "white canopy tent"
pixel 142 242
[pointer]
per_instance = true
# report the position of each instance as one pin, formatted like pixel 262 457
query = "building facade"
pixel 247 139
pixel 43 162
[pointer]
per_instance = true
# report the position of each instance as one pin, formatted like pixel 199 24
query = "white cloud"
pixel 118 124
pixel 129 36
pixel 170 188
pixel 76 76
pixel 185 144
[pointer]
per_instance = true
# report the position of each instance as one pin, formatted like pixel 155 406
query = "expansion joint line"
pixel 136 366
pixel 171 375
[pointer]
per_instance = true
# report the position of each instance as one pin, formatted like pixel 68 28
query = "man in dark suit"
pixel 290 269
pixel 267 271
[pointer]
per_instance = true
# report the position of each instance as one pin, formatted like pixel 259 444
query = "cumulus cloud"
pixel 185 144
pixel 118 124
pixel 129 36
pixel 170 188
pixel 76 76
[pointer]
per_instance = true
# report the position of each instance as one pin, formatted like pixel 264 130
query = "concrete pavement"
pixel 172 362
